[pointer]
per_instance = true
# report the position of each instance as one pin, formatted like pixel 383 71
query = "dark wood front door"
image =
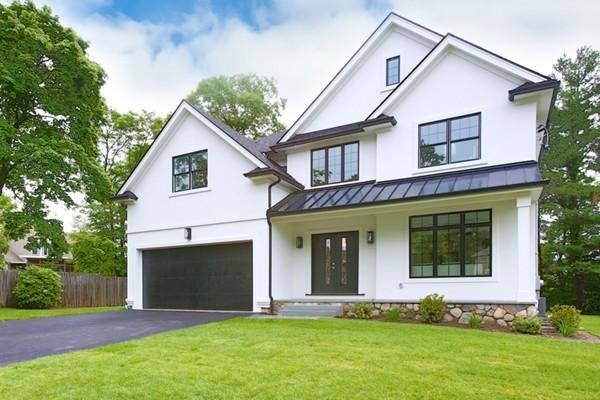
pixel 335 263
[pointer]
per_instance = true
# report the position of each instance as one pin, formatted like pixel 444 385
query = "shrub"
pixel 475 320
pixel 565 319
pixel 529 325
pixel 362 310
pixel 38 287
pixel 432 308
pixel 394 314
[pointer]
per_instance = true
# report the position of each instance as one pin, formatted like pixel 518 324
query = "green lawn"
pixel 8 314
pixel 591 323
pixel 315 359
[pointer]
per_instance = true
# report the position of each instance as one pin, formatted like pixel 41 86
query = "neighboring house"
pixel 19 257
pixel 414 171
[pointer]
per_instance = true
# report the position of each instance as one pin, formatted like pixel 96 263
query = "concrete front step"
pixel 311 310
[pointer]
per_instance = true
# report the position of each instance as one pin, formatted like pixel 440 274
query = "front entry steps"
pixel 307 310
pixel 547 327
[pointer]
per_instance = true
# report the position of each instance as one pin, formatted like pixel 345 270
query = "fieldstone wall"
pixel 499 314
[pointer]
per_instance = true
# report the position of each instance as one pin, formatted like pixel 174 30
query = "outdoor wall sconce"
pixel 299 242
pixel 187 233
pixel 370 237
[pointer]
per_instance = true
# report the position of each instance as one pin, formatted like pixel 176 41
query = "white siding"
pixel 456 87
pixel 365 87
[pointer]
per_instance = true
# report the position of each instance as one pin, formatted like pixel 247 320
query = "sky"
pixel 154 52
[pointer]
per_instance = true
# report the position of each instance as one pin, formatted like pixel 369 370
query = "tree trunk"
pixel 579 290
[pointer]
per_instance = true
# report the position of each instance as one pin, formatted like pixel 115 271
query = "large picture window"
pixel 451 245
pixel 450 141
pixel 334 164
pixel 190 171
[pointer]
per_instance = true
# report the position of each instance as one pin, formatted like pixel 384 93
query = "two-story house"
pixel 414 171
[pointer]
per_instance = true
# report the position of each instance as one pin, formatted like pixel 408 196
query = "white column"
pixel 525 252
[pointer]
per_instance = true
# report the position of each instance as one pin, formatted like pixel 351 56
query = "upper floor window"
pixel 40 251
pixel 190 171
pixel 392 68
pixel 450 245
pixel 450 141
pixel 335 164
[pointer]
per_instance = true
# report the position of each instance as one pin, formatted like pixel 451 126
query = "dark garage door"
pixel 215 277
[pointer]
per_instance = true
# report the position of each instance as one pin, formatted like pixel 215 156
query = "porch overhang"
pixel 476 181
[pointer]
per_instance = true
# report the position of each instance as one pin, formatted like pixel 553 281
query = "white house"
pixel 414 171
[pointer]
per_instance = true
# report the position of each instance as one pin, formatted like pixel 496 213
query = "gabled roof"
pixel 390 21
pixel 342 130
pixel 498 177
pixel 250 149
pixel 448 42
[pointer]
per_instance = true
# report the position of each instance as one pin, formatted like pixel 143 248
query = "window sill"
pixel 331 185
pixel 188 192
pixel 449 167
pixel 462 279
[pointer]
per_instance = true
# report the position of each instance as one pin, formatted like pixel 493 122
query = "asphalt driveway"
pixel 33 338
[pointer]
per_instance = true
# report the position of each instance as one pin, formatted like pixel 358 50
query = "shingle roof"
pixel 256 148
pixel 445 184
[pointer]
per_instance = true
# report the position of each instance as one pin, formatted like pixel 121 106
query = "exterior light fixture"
pixel 299 242
pixel 187 233
pixel 370 237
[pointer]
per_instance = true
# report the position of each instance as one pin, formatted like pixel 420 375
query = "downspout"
pixel 271 247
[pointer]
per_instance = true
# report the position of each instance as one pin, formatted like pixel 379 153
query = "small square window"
pixel 392 75
pixel 190 171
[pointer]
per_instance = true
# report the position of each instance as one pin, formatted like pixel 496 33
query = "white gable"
pixel 360 84
pixel 182 112
pixel 476 55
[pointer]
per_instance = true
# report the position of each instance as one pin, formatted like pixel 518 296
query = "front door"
pixel 335 263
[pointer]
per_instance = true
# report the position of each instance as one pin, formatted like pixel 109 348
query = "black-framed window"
pixel 450 141
pixel 451 245
pixel 334 164
pixel 392 71
pixel 190 171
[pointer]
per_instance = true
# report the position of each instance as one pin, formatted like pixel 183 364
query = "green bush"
pixel 529 325
pixel 565 319
pixel 432 308
pixel 362 310
pixel 38 287
pixel 394 314
pixel 475 320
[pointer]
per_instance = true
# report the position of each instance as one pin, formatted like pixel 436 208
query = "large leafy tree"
pixel 124 137
pixel 50 107
pixel 248 103
pixel 571 252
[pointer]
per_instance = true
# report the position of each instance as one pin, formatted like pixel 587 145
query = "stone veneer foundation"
pixel 499 314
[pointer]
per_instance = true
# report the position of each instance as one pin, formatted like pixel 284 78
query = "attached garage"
pixel 212 277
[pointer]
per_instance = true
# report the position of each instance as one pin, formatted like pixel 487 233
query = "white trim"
pixel 187 243
pixel 447 44
pixel 165 135
pixel 168 228
pixel 191 191
pixel 463 165
pixel 391 22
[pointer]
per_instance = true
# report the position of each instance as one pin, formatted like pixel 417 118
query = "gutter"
pixel 271 245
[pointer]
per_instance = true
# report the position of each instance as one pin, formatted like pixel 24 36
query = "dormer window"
pixel 334 164
pixel 392 68
pixel 190 171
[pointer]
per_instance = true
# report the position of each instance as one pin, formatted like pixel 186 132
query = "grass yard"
pixel 591 323
pixel 315 359
pixel 9 314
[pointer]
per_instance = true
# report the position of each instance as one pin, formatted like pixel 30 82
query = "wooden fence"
pixel 79 290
